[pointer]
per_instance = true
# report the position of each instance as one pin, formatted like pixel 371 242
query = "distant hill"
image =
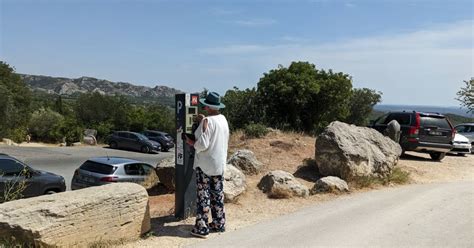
pixel 435 109
pixel 71 87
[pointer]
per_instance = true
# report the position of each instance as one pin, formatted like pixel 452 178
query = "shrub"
pixel 255 130
pixel 398 176
pixel 45 125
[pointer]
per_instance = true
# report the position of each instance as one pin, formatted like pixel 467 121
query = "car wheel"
pixel 145 149
pixel 113 145
pixel 437 156
pixel 50 192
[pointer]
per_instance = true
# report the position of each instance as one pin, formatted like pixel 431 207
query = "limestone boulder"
pixel 246 161
pixel 107 214
pixel 281 184
pixel 349 151
pixel 330 184
pixel 166 173
pixel 89 140
pixel 234 183
pixel 9 142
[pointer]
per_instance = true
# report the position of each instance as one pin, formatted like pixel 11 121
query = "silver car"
pixel 104 170
pixel 467 130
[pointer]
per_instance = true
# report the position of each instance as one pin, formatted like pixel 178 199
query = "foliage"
pixel 255 130
pixel 398 176
pixel 457 119
pixel 466 95
pixel 13 189
pixel 361 104
pixel 45 125
pixel 241 107
pixel 15 102
pixel 302 98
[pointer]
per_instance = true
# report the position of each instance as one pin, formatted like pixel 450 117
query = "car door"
pixel 134 173
pixel 14 181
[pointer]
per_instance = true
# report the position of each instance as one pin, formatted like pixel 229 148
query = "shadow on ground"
pixel 160 228
pixel 308 171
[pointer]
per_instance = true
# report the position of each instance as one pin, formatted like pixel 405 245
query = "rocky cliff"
pixel 69 86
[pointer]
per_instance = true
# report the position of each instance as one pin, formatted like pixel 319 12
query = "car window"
pixel 381 119
pixel 123 135
pixel 10 167
pixel 147 169
pixel 134 170
pixel 402 119
pixel 98 167
pixel 462 129
pixel 435 122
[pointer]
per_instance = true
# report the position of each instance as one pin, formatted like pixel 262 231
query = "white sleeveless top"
pixel 211 146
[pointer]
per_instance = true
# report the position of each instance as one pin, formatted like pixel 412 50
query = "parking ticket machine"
pixel 185 178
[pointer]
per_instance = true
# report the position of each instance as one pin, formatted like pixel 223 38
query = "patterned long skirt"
pixel 210 196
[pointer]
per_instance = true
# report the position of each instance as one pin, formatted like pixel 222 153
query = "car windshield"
pixel 98 167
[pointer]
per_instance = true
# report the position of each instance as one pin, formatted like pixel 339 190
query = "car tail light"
pixel 415 130
pixel 109 179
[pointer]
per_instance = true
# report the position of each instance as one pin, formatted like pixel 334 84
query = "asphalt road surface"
pixel 431 215
pixel 65 160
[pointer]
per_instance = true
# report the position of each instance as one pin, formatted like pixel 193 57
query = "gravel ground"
pixel 254 207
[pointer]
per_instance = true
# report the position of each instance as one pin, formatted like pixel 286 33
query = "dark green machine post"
pixel 185 178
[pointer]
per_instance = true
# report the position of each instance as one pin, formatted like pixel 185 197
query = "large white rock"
pixel 234 183
pixel 166 171
pixel 281 184
pixel 106 214
pixel 330 184
pixel 246 161
pixel 349 151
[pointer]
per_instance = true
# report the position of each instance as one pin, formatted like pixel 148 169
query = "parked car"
pixel 165 140
pixel 104 170
pixel 461 145
pixel 37 182
pixel 467 130
pixel 421 132
pixel 132 141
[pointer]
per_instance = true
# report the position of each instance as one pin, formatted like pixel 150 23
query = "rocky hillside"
pixel 68 86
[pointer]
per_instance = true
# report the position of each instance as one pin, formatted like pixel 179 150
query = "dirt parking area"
pixel 286 151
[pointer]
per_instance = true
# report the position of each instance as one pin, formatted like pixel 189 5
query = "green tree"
pixel 303 98
pixel 45 125
pixel 361 104
pixel 15 103
pixel 241 107
pixel 466 95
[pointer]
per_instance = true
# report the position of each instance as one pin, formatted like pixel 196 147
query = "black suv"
pixel 132 141
pixel 14 173
pixel 421 132
pixel 165 140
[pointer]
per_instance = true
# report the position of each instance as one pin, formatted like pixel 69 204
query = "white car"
pixel 461 145
pixel 467 130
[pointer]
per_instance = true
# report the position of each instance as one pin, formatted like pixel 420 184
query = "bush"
pixel 45 125
pixel 255 130
pixel 18 135
pixel 398 176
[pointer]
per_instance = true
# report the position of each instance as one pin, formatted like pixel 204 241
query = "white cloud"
pixel 430 63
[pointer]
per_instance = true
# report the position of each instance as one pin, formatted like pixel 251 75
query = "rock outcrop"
pixel 281 184
pixel 165 170
pixel 234 183
pixel 106 214
pixel 330 184
pixel 246 161
pixel 348 151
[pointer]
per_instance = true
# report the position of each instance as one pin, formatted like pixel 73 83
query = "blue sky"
pixel 414 51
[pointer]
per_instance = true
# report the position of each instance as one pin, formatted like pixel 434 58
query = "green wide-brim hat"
pixel 212 100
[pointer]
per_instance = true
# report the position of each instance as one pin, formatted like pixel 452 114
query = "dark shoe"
pixel 213 228
pixel 199 235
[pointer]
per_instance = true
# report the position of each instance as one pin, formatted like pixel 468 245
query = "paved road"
pixel 434 215
pixel 64 160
